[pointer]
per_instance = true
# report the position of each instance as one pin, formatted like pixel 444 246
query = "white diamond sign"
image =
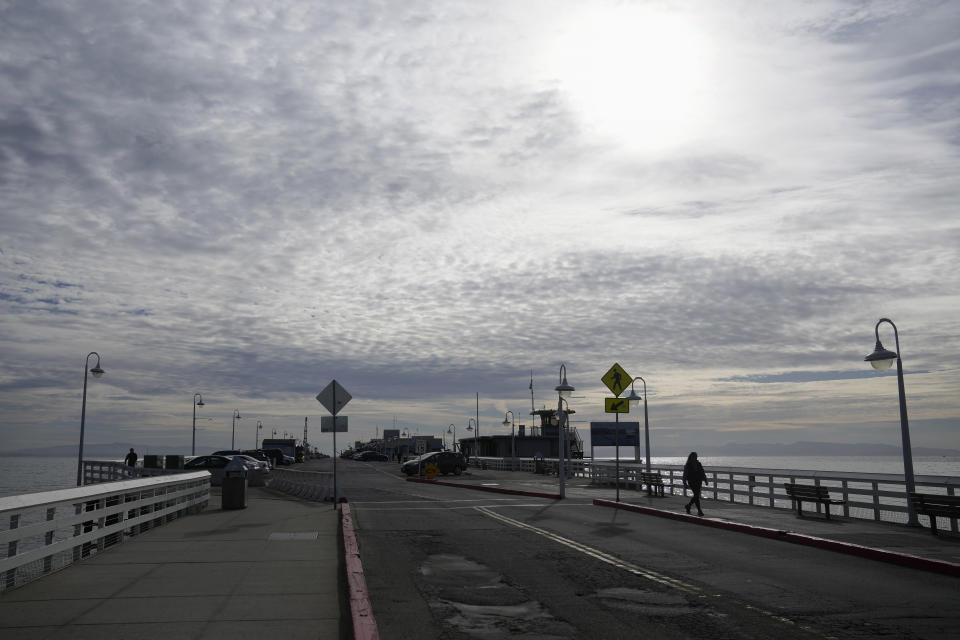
pixel 334 397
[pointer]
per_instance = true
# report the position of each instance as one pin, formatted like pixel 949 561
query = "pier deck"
pixel 270 570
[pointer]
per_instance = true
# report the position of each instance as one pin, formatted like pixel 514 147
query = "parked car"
pixel 215 464
pixel 278 457
pixel 259 454
pixel 253 464
pixel 446 462
pixel 371 456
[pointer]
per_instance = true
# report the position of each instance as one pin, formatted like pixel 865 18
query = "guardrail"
pixel 47 531
pixel 96 471
pixel 868 496
pixel 309 485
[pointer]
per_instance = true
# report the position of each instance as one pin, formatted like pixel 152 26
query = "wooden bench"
pixel 654 482
pixel 932 505
pixel 801 493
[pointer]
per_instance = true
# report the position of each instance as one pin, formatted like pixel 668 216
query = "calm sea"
pixel 31 474
pixel 28 474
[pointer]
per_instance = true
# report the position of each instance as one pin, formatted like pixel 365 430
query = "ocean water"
pixel 30 474
pixel 20 475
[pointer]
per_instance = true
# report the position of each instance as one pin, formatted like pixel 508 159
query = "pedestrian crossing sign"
pixel 616 405
pixel 616 379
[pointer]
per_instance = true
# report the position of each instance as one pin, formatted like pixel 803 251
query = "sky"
pixel 428 201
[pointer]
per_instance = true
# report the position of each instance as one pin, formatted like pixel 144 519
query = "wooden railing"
pixel 868 496
pixel 47 531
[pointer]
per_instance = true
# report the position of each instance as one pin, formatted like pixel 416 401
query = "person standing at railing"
pixel 131 459
pixel 694 477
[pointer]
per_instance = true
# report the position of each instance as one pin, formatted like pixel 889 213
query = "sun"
pixel 636 74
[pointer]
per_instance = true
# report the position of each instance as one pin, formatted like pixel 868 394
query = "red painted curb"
pixel 903 559
pixel 364 624
pixel 516 492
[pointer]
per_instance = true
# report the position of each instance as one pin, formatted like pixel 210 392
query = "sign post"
pixel 333 398
pixel 616 380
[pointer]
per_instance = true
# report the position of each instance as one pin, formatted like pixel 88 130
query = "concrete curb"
pixel 903 559
pixel 515 492
pixel 364 624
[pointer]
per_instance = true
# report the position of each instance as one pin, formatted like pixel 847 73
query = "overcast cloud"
pixel 428 200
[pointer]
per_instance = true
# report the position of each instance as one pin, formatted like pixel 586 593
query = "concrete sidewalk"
pixel 898 542
pixel 271 570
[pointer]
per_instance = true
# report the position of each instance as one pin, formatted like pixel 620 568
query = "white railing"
pixel 47 531
pixel 95 471
pixel 868 496
pixel 309 485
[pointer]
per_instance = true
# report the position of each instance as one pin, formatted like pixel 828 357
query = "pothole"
pixel 650 603
pixel 477 601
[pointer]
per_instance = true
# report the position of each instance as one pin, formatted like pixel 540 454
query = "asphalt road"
pixel 442 562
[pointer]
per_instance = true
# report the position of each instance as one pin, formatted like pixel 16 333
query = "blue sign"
pixel 604 434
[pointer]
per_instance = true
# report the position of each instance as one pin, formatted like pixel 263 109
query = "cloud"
pixel 249 199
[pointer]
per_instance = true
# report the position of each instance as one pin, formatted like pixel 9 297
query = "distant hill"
pixel 811 449
pixel 113 451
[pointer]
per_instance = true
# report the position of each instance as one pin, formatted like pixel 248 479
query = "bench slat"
pixel 811 493
pixel 934 505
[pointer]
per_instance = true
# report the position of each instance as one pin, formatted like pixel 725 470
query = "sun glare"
pixel 633 74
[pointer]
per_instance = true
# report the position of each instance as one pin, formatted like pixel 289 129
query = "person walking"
pixel 694 477
pixel 131 458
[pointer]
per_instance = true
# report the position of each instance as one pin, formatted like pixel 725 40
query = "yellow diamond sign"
pixel 617 380
pixel 430 470
pixel 616 405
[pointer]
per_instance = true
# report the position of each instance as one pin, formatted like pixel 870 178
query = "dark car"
pixel 371 456
pixel 278 457
pixel 445 461
pixel 215 464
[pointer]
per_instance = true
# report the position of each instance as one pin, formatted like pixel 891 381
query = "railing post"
pixel 48 540
pixel 10 579
pixel 876 500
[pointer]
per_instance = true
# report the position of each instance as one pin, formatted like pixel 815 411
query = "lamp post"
pixel 471 429
pixel 513 441
pixel 97 372
pixel 881 359
pixel 193 443
pixel 563 392
pixel 452 429
pixel 256 434
pixel 233 428
pixel 634 400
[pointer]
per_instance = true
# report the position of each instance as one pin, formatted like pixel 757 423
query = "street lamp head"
pixel 634 399
pixel 96 370
pixel 200 404
pixel 564 388
pixel 881 359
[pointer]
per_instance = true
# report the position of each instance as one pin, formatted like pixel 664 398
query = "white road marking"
pixel 649 574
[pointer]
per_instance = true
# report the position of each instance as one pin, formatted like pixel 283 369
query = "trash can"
pixel 233 492
pixel 151 461
pixel 173 462
pixel 538 466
